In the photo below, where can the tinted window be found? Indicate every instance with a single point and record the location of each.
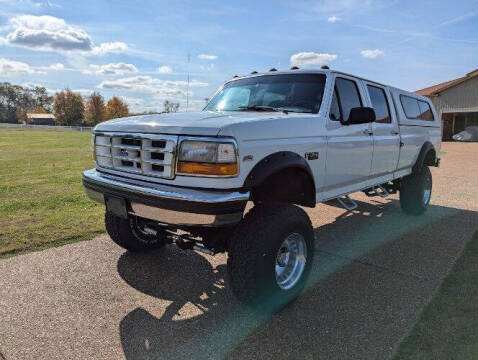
(334, 108)
(296, 93)
(410, 106)
(425, 111)
(379, 104)
(348, 96)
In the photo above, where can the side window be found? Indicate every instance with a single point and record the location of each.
(348, 96)
(425, 111)
(380, 104)
(410, 106)
(334, 108)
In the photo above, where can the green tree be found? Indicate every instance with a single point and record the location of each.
(16, 101)
(95, 109)
(116, 108)
(68, 108)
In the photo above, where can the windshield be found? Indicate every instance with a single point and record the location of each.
(290, 92)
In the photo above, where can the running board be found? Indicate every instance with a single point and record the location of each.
(347, 203)
(378, 190)
(382, 193)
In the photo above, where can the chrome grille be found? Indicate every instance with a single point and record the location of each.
(144, 154)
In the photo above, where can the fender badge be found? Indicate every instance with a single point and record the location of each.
(312, 155)
(247, 158)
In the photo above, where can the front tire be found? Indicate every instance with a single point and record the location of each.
(130, 235)
(415, 192)
(270, 255)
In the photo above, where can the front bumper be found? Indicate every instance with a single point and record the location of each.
(168, 204)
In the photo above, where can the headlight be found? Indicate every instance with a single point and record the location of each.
(207, 158)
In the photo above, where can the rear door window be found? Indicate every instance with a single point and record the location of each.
(425, 111)
(379, 104)
(348, 96)
(410, 107)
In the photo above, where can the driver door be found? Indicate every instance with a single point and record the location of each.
(349, 147)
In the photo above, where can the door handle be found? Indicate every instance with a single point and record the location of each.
(394, 132)
(367, 132)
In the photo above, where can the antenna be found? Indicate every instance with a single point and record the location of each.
(187, 89)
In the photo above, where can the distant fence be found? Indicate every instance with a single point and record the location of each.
(45, 127)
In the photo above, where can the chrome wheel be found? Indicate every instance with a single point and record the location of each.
(290, 261)
(427, 190)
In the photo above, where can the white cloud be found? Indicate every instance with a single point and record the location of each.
(333, 19)
(148, 84)
(207, 67)
(109, 47)
(10, 67)
(56, 66)
(372, 54)
(312, 58)
(132, 101)
(82, 92)
(49, 33)
(165, 70)
(111, 69)
(31, 85)
(207, 57)
(341, 6)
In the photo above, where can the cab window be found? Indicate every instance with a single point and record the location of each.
(410, 107)
(334, 108)
(425, 111)
(346, 96)
(379, 104)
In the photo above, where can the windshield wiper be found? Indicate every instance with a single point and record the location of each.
(261, 108)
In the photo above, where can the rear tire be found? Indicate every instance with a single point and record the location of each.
(272, 240)
(415, 192)
(128, 234)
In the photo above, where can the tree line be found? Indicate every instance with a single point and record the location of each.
(68, 107)
(16, 101)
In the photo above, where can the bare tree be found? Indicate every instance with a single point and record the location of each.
(170, 106)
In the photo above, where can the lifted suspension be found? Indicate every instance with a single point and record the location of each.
(183, 241)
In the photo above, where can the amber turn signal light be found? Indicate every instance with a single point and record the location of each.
(195, 168)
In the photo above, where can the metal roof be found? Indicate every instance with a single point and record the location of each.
(435, 89)
(40, 116)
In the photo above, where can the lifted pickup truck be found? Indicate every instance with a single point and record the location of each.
(278, 140)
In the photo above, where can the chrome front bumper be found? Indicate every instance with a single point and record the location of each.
(168, 204)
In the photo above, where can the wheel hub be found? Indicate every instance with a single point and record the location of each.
(427, 191)
(290, 261)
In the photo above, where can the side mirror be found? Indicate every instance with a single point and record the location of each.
(361, 115)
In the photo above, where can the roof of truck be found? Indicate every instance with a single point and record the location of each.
(322, 71)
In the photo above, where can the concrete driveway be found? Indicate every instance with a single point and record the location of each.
(375, 270)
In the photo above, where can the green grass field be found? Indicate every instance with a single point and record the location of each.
(42, 201)
(448, 326)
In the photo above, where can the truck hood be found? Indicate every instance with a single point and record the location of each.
(201, 123)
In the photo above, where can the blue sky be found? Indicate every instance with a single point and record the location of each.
(138, 49)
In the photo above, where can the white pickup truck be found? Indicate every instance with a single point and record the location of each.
(278, 140)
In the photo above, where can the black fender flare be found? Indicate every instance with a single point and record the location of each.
(275, 163)
(424, 151)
